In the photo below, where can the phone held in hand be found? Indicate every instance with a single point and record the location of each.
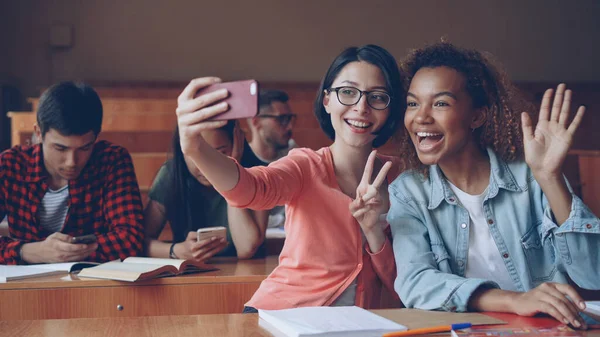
(86, 239)
(209, 232)
(242, 99)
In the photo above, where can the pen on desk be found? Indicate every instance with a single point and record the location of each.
(423, 331)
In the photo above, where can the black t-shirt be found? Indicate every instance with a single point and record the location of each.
(209, 208)
(249, 159)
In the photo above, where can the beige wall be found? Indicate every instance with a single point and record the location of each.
(137, 40)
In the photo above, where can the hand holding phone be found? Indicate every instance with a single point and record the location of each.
(85, 239)
(209, 232)
(242, 99)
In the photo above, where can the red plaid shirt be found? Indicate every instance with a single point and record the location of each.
(104, 200)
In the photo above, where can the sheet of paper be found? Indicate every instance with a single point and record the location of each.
(56, 266)
(592, 307)
(319, 320)
(19, 272)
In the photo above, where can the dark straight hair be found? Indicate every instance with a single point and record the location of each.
(70, 108)
(380, 58)
(177, 203)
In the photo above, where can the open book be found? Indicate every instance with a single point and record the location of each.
(14, 273)
(325, 321)
(142, 268)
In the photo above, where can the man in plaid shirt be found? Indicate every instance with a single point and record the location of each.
(68, 186)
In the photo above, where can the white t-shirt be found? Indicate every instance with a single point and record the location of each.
(484, 260)
(54, 208)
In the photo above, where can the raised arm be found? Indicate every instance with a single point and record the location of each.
(574, 228)
(192, 115)
(547, 146)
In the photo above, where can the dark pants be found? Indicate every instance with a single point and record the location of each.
(249, 310)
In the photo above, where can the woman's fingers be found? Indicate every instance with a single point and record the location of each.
(356, 204)
(527, 125)
(555, 294)
(368, 172)
(360, 212)
(572, 293)
(203, 114)
(566, 107)
(202, 101)
(568, 312)
(576, 120)
(558, 102)
(545, 107)
(196, 84)
(210, 250)
(382, 175)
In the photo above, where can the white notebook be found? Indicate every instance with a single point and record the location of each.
(325, 321)
(13, 273)
(592, 307)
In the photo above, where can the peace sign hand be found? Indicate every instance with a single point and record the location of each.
(546, 148)
(371, 199)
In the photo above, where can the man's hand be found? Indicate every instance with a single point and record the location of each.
(55, 249)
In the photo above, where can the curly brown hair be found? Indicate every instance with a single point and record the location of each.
(487, 84)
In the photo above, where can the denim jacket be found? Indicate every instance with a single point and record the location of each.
(431, 237)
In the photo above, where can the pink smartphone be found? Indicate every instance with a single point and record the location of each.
(209, 232)
(242, 99)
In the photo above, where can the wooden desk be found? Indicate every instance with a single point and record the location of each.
(216, 292)
(234, 325)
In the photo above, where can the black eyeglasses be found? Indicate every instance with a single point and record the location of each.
(376, 99)
(283, 120)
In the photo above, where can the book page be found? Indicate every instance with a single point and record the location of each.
(8, 273)
(321, 320)
(129, 267)
(155, 261)
(66, 266)
(55, 266)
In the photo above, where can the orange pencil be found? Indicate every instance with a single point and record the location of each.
(423, 331)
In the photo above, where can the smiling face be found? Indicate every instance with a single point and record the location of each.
(440, 115)
(354, 125)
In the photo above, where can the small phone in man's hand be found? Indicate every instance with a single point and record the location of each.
(242, 99)
(209, 232)
(86, 239)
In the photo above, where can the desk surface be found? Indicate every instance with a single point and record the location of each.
(223, 291)
(197, 325)
(229, 271)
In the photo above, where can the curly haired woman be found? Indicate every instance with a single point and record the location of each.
(484, 219)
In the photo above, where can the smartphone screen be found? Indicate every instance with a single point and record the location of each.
(242, 99)
(90, 238)
(209, 232)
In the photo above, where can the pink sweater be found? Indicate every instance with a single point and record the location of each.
(323, 252)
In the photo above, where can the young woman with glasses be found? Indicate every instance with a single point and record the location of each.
(483, 219)
(338, 250)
